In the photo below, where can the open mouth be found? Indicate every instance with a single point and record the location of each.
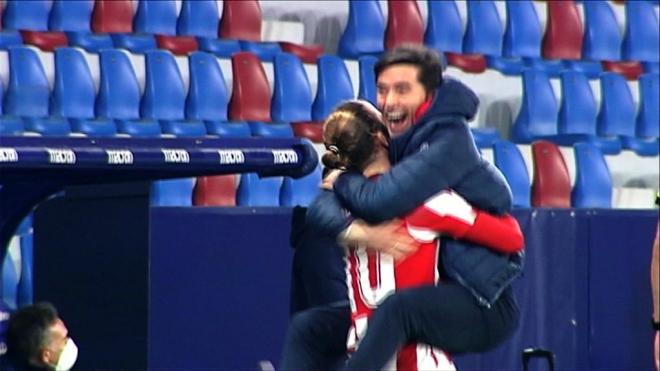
(396, 120)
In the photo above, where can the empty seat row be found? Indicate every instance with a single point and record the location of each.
(551, 183)
(615, 125)
(485, 42)
(197, 26)
(114, 103)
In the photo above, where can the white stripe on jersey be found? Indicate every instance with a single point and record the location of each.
(433, 359)
(451, 203)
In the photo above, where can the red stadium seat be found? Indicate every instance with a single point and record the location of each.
(241, 20)
(250, 99)
(630, 70)
(112, 16)
(563, 33)
(473, 63)
(45, 40)
(312, 130)
(218, 190)
(178, 45)
(404, 23)
(307, 53)
(551, 186)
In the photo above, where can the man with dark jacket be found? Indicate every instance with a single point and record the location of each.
(472, 309)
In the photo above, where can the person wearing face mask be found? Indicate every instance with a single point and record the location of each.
(37, 339)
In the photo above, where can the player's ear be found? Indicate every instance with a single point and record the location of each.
(382, 140)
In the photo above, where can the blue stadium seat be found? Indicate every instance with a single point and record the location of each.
(334, 86)
(208, 96)
(648, 115)
(25, 286)
(91, 42)
(255, 191)
(74, 94)
(367, 89)
(135, 43)
(444, 31)
(235, 129)
(26, 15)
(48, 126)
(71, 15)
(199, 18)
(364, 32)
(484, 33)
(10, 277)
(119, 95)
(485, 137)
(28, 92)
(539, 111)
(9, 125)
(302, 191)
(10, 38)
(164, 95)
(602, 38)
(593, 183)
(265, 51)
(172, 192)
(512, 165)
(270, 130)
(523, 34)
(642, 38)
(578, 111)
(292, 93)
(155, 17)
(617, 109)
(223, 48)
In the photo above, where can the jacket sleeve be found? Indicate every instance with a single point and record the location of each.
(450, 156)
(326, 215)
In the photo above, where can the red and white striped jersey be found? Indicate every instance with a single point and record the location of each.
(372, 276)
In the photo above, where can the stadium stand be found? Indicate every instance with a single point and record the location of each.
(334, 86)
(404, 24)
(511, 163)
(367, 89)
(250, 99)
(364, 32)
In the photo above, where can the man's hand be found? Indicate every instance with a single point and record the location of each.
(330, 179)
(389, 237)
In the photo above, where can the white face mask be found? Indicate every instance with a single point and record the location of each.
(68, 356)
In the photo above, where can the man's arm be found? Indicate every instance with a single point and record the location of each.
(327, 215)
(449, 158)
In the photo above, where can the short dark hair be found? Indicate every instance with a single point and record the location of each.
(27, 331)
(428, 61)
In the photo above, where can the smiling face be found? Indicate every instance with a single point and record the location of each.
(399, 96)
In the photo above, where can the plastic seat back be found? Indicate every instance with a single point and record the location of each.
(74, 93)
(563, 31)
(172, 192)
(199, 18)
(444, 29)
(250, 99)
(523, 34)
(367, 89)
(112, 16)
(241, 20)
(365, 30)
(593, 183)
(164, 96)
(302, 191)
(218, 190)
(484, 33)
(602, 38)
(255, 191)
(28, 91)
(26, 15)
(512, 164)
(551, 186)
(617, 109)
(578, 111)
(648, 116)
(292, 94)
(119, 92)
(157, 17)
(208, 96)
(539, 110)
(334, 86)
(71, 15)
(404, 24)
(642, 36)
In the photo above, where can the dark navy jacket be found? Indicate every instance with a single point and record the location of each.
(437, 153)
